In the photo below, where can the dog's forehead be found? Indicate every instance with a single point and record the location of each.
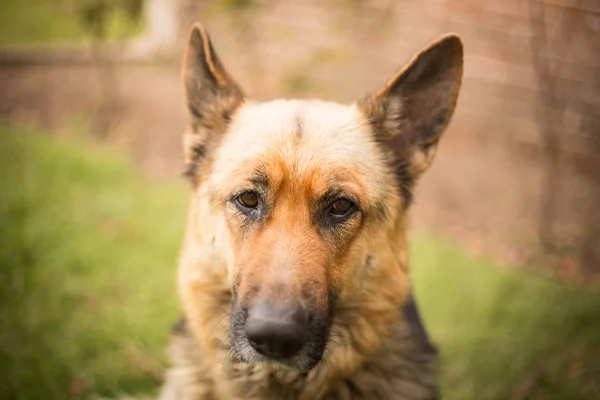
(300, 123)
(310, 137)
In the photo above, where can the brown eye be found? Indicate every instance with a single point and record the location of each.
(248, 199)
(341, 207)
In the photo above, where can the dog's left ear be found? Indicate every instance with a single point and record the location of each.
(212, 98)
(410, 113)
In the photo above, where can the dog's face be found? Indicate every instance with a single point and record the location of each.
(303, 192)
(297, 184)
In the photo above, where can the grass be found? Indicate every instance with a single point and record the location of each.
(87, 256)
(501, 330)
(49, 21)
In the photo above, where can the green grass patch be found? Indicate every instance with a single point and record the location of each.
(502, 331)
(48, 21)
(87, 290)
(88, 251)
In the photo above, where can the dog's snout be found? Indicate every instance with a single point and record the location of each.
(277, 330)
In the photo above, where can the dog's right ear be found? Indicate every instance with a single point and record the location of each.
(212, 98)
(410, 113)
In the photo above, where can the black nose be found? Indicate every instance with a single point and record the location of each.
(276, 330)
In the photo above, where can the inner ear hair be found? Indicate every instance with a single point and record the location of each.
(212, 97)
(410, 113)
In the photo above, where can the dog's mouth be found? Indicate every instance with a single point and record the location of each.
(278, 334)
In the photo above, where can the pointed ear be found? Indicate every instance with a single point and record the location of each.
(212, 98)
(410, 113)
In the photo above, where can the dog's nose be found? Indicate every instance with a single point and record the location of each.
(276, 330)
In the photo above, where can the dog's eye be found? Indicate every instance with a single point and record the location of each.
(341, 207)
(248, 200)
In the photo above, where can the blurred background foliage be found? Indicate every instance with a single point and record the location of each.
(42, 21)
(505, 248)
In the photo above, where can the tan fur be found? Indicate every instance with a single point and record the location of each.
(377, 348)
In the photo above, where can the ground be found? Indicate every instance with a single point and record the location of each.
(88, 253)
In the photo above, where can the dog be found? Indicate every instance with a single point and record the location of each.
(293, 274)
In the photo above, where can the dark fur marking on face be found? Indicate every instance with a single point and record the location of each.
(380, 211)
(334, 193)
(368, 261)
(298, 128)
(260, 179)
(307, 291)
(194, 110)
(191, 168)
(406, 183)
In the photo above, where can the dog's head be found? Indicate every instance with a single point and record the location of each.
(298, 204)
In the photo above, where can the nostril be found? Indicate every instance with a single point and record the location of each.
(276, 331)
(276, 341)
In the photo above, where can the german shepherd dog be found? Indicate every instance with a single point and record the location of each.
(293, 274)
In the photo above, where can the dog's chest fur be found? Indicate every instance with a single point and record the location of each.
(404, 369)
